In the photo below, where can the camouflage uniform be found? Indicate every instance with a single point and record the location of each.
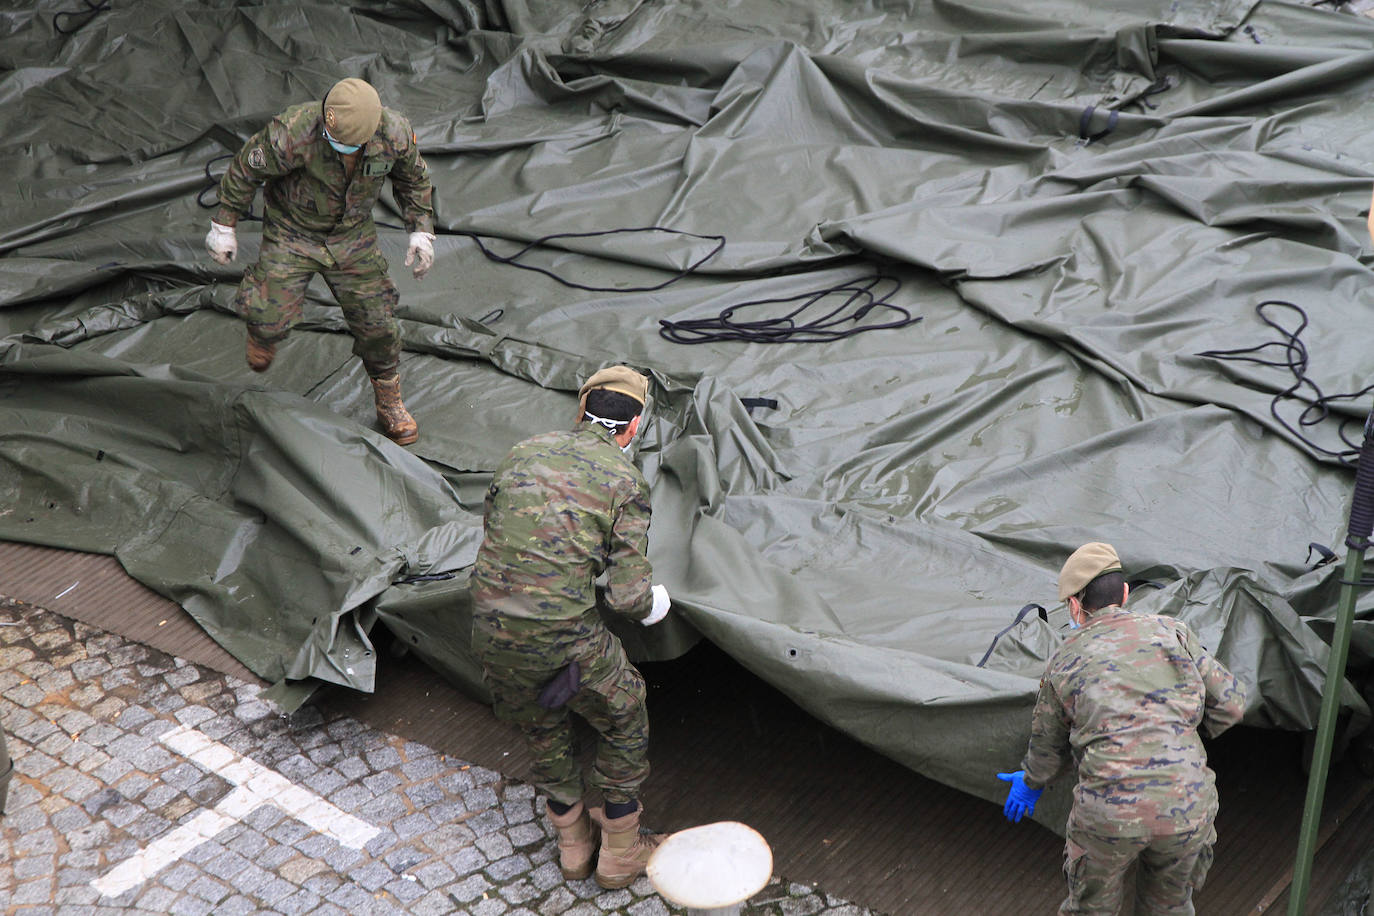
(319, 220)
(1126, 694)
(563, 508)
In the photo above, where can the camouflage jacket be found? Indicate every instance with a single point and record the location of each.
(308, 190)
(562, 508)
(1126, 694)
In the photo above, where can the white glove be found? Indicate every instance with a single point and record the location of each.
(221, 243)
(421, 252)
(661, 605)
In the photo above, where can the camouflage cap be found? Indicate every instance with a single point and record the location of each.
(352, 111)
(1086, 564)
(613, 378)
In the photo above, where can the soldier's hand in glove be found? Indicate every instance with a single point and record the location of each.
(661, 605)
(1021, 798)
(421, 253)
(221, 242)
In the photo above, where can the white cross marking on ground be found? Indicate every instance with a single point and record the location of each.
(255, 786)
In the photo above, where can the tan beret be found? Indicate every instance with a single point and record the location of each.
(352, 111)
(613, 378)
(1086, 564)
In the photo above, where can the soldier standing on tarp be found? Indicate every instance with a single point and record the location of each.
(563, 508)
(323, 164)
(1125, 696)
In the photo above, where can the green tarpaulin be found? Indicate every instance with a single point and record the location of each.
(1087, 205)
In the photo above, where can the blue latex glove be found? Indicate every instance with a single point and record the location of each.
(1021, 798)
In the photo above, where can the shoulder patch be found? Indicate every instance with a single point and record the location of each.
(257, 158)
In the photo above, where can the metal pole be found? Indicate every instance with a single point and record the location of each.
(1321, 752)
(1357, 540)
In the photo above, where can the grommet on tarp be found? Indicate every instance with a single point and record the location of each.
(1086, 120)
(712, 869)
(1020, 616)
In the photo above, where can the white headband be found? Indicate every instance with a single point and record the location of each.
(612, 425)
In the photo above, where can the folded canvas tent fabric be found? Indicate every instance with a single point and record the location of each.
(1077, 200)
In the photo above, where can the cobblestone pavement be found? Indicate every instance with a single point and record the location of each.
(148, 784)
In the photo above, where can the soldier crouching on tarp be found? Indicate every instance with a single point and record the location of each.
(562, 508)
(323, 165)
(1125, 695)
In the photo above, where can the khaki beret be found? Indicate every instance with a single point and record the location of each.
(1086, 564)
(613, 378)
(352, 111)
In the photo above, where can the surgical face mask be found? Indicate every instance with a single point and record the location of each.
(341, 147)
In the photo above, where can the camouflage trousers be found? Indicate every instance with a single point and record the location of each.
(611, 699)
(1169, 869)
(272, 291)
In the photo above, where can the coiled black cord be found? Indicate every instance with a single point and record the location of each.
(838, 323)
(90, 12)
(212, 185)
(513, 259)
(1295, 360)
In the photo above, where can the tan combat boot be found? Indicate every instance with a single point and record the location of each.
(400, 427)
(576, 841)
(624, 850)
(259, 354)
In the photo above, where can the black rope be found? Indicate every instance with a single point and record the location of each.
(212, 186)
(513, 259)
(836, 324)
(1295, 360)
(90, 12)
(770, 330)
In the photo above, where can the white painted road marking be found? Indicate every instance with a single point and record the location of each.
(255, 786)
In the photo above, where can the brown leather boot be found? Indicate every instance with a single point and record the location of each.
(576, 841)
(400, 427)
(259, 354)
(624, 850)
